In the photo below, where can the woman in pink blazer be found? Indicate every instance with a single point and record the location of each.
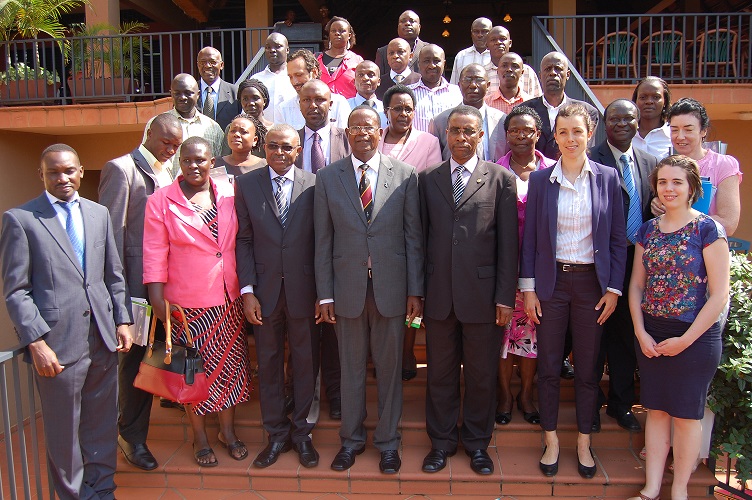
(189, 259)
(338, 62)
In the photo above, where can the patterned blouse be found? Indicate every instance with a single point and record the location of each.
(677, 280)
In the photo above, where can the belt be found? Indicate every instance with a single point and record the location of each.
(575, 268)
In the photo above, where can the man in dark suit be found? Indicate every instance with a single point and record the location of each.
(218, 99)
(321, 141)
(369, 274)
(65, 293)
(617, 343)
(124, 184)
(398, 56)
(408, 29)
(554, 73)
(275, 267)
(469, 214)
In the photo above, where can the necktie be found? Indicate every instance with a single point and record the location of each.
(76, 239)
(398, 78)
(370, 103)
(282, 206)
(458, 187)
(366, 196)
(634, 218)
(317, 154)
(209, 103)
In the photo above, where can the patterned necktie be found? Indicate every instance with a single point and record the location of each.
(370, 103)
(282, 205)
(398, 78)
(209, 103)
(366, 196)
(458, 187)
(76, 239)
(634, 218)
(317, 154)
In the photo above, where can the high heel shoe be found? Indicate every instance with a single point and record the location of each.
(532, 417)
(549, 470)
(585, 471)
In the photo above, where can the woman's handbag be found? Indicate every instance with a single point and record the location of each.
(180, 375)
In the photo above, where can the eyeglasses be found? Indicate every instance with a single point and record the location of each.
(361, 130)
(473, 79)
(468, 132)
(271, 146)
(402, 109)
(522, 132)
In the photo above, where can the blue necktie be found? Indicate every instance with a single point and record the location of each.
(282, 205)
(634, 217)
(76, 239)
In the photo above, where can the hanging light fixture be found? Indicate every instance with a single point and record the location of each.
(507, 18)
(445, 33)
(447, 19)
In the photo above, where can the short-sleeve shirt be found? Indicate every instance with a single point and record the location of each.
(718, 167)
(677, 280)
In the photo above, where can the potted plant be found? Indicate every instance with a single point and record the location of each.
(23, 83)
(107, 62)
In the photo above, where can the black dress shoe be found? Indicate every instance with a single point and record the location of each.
(335, 409)
(166, 403)
(531, 417)
(480, 462)
(345, 458)
(271, 453)
(567, 371)
(436, 460)
(596, 423)
(549, 470)
(390, 462)
(627, 421)
(409, 374)
(307, 454)
(503, 418)
(138, 455)
(586, 472)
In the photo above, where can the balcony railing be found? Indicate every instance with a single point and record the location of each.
(686, 48)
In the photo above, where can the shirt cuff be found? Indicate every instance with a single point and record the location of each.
(526, 284)
(614, 290)
(325, 301)
(246, 289)
(503, 305)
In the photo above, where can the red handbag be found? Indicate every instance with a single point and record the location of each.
(179, 376)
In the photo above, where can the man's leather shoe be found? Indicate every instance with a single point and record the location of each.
(138, 455)
(567, 370)
(271, 453)
(390, 462)
(436, 460)
(627, 421)
(480, 462)
(345, 458)
(596, 422)
(307, 454)
(335, 409)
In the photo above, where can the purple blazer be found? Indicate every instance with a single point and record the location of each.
(538, 256)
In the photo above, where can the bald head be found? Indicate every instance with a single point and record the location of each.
(367, 78)
(498, 43)
(315, 101)
(408, 26)
(276, 49)
(184, 93)
(554, 73)
(431, 65)
(479, 31)
(398, 54)
(210, 64)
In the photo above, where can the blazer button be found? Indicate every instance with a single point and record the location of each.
(219, 255)
(456, 217)
(86, 313)
(455, 242)
(364, 263)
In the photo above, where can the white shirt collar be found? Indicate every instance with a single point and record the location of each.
(150, 158)
(557, 175)
(214, 86)
(290, 175)
(323, 131)
(405, 73)
(617, 153)
(373, 163)
(53, 200)
(469, 165)
(549, 106)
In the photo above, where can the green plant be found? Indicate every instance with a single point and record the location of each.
(21, 71)
(730, 395)
(105, 50)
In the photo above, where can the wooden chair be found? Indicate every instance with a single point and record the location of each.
(717, 53)
(616, 51)
(664, 50)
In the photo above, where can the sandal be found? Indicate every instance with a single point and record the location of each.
(233, 447)
(204, 452)
(643, 454)
(645, 497)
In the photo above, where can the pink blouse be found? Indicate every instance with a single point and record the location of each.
(718, 167)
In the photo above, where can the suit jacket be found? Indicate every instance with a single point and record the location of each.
(181, 252)
(471, 250)
(47, 294)
(387, 83)
(381, 59)
(266, 252)
(124, 185)
(538, 259)
(546, 144)
(338, 146)
(645, 164)
(344, 240)
(421, 150)
(497, 143)
(228, 104)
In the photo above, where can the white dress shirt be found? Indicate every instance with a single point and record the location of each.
(466, 173)
(467, 56)
(632, 165)
(289, 112)
(325, 134)
(62, 214)
(430, 102)
(657, 142)
(552, 111)
(279, 87)
(405, 74)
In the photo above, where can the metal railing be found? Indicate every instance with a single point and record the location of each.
(683, 48)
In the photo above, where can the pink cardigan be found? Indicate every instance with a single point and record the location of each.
(342, 82)
(180, 251)
(421, 150)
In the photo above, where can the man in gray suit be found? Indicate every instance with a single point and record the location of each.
(65, 293)
(275, 267)
(321, 141)
(473, 84)
(469, 215)
(617, 343)
(218, 99)
(369, 274)
(124, 184)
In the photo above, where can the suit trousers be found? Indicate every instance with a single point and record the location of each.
(303, 342)
(617, 345)
(572, 306)
(79, 412)
(384, 336)
(473, 349)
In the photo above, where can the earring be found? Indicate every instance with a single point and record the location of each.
(348, 45)
(330, 45)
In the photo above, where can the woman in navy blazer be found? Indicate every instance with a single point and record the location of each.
(572, 264)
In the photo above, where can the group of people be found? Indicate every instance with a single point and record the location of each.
(332, 202)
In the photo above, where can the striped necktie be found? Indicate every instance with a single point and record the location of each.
(317, 154)
(208, 108)
(458, 187)
(634, 217)
(282, 206)
(366, 195)
(76, 239)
